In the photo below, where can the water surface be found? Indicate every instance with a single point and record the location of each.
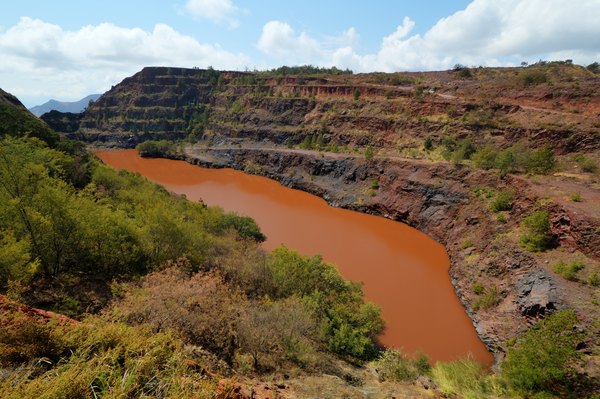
(404, 271)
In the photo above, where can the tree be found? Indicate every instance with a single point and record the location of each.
(356, 94)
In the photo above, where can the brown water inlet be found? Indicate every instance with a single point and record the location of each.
(403, 270)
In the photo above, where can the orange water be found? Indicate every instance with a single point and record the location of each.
(403, 270)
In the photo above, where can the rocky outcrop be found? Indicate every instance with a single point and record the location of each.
(537, 294)
(378, 110)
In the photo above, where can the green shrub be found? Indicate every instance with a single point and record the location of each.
(541, 160)
(428, 144)
(567, 271)
(369, 153)
(485, 158)
(503, 202)
(501, 218)
(393, 365)
(155, 149)
(350, 324)
(532, 78)
(593, 279)
(467, 243)
(543, 359)
(586, 164)
(576, 197)
(356, 94)
(538, 235)
(464, 150)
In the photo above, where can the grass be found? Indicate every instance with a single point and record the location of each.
(464, 378)
(97, 358)
(487, 299)
(576, 197)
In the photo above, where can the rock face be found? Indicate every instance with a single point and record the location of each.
(388, 111)
(537, 294)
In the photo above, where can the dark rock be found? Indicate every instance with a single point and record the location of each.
(537, 295)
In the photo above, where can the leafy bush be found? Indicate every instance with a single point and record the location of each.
(428, 144)
(485, 158)
(543, 359)
(369, 153)
(156, 149)
(588, 165)
(567, 271)
(245, 226)
(351, 325)
(502, 202)
(541, 160)
(532, 78)
(393, 365)
(538, 234)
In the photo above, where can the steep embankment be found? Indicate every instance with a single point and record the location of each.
(270, 124)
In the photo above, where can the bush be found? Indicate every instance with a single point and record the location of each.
(485, 158)
(541, 160)
(369, 153)
(503, 202)
(245, 226)
(464, 150)
(272, 332)
(428, 144)
(567, 271)
(588, 165)
(393, 365)
(532, 78)
(576, 197)
(157, 149)
(351, 325)
(201, 308)
(538, 235)
(544, 357)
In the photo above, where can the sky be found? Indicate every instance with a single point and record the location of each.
(66, 50)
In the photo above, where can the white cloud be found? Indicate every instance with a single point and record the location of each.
(41, 59)
(486, 32)
(218, 11)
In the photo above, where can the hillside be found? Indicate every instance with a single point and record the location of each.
(486, 161)
(444, 147)
(64, 106)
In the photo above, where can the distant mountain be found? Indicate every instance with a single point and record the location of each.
(63, 106)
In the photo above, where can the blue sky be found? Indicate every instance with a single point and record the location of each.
(68, 49)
